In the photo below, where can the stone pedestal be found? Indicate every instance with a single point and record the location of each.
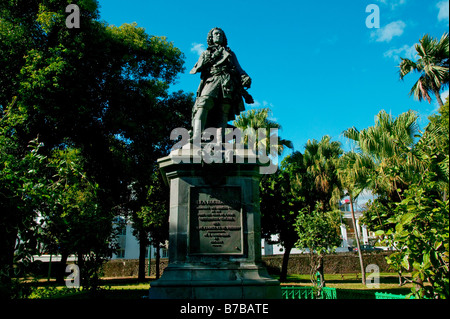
(214, 233)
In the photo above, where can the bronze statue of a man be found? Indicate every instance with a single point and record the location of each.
(222, 87)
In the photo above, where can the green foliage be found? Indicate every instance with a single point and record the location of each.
(320, 160)
(256, 119)
(281, 200)
(419, 223)
(52, 292)
(97, 99)
(432, 65)
(21, 189)
(318, 231)
(73, 219)
(409, 174)
(421, 238)
(303, 184)
(153, 218)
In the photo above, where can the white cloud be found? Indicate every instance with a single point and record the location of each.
(444, 95)
(392, 3)
(385, 34)
(443, 10)
(267, 104)
(197, 48)
(264, 104)
(257, 104)
(406, 51)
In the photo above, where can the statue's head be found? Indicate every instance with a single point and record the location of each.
(217, 37)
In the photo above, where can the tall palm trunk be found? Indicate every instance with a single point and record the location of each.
(361, 263)
(438, 96)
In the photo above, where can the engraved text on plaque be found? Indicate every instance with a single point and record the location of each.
(215, 221)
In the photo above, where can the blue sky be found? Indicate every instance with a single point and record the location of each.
(314, 63)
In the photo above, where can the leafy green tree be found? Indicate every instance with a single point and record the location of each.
(410, 179)
(151, 141)
(421, 219)
(282, 198)
(420, 237)
(302, 182)
(432, 65)
(436, 136)
(73, 220)
(22, 186)
(87, 87)
(99, 89)
(382, 162)
(322, 184)
(319, 232)
(153, 220)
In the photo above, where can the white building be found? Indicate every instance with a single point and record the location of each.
(129, 245)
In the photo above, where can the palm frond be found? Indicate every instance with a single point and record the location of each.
(420, 90)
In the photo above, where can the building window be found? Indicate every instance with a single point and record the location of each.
(120, 253)
(122, 230)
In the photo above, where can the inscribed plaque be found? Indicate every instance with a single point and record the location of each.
(215, 221)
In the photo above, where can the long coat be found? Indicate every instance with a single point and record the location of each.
(221, 77)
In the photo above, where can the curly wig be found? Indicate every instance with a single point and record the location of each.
(209, 40)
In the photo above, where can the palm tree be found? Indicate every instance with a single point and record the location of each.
(432, 65)
(383, 161)
(388, 145)
(320, 161)
(320, 178)
(259, 119)
(353, 170)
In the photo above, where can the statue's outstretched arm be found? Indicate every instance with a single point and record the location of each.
(200, 64)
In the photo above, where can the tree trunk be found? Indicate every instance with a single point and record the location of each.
(83, 272)
(320, 271)
(61, 270)
(363, 270)
(149, 271)
(142, 249)
(438, 96)
(157, 259)
(284, 267)
(8, 238)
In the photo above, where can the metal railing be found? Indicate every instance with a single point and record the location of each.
(297, 292)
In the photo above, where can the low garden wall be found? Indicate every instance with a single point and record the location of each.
(341, 263)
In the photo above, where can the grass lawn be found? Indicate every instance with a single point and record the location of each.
(130, 288)
(389, 282)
